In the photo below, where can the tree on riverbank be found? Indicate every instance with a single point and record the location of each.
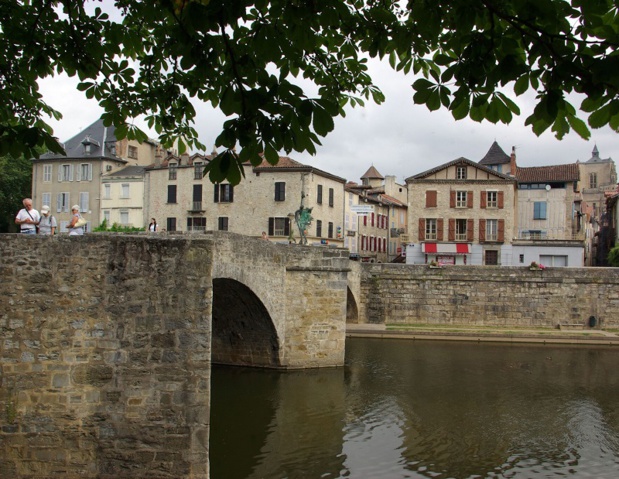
(282, 70)
(15, 185)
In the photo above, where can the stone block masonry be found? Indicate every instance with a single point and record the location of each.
(489, 296)
(100, 375)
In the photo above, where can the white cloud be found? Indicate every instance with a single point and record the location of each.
(399, 138)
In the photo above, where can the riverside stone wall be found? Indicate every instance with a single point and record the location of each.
(489, 295)
(104, 356)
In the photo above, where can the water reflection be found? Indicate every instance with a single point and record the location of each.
(404, 409)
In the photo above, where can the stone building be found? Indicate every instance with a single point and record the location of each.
(376, 237)
(61, 181)
(265, 200)
(122, 197)
(461, 212)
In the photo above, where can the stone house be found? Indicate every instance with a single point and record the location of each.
(122, 197)
(61, 181)
(377, 231)
(265, 200)
(598, 176)
(461, 212)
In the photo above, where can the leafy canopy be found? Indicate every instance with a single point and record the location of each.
(255, 59)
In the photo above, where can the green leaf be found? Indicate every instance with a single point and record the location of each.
(322, 121)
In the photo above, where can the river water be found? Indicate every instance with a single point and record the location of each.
(423, 409)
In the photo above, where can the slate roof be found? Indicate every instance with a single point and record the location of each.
(288, 164)
(127, 171)
(102, 141)
(495, 156)
(548, 174)
(595, 158)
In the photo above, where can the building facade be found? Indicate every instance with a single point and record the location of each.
(461, 213)
(62, 181)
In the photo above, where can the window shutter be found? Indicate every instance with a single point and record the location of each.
(231, 193)
(439, 229)
(431, 199)
(84, 202)
(470, 225)
(451, 230)
(482, 199)
(70, 172)
(216, 197)
(422, 229)
(287, 226)
(469, 199)
(59, 173)
(501, 235)
(482, 231)
(78, 173)
(501, 199)
(452, 199)
(365, 220)
(59, 203)
(271, 226)
(89, 172)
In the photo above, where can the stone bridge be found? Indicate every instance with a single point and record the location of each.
(107, 342)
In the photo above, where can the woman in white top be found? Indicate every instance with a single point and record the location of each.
(74, 231)
(153, 226)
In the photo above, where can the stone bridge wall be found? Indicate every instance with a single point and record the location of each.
(489, 295)
(104, 356)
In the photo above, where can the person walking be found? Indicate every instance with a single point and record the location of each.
(73, 229)
(28, 218)
(47, 224)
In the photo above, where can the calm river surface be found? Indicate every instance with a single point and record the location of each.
(423, 409)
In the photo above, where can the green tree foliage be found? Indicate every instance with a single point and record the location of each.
(15, 185)
(257, 60)
(613, 257)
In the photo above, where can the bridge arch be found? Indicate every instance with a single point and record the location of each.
(243, 332)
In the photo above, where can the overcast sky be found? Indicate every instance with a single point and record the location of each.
(398, 137)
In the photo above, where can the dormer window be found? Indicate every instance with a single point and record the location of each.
(172, 171)
(461, 173)
(198, 170)
(88, 144)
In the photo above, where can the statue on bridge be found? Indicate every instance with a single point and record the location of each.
(303, 218)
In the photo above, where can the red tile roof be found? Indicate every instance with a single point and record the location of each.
(547, 174)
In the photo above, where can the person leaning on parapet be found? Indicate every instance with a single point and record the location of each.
(153, 226)
(73, 230)
(28, 218)
(265, 236)
(48, 224)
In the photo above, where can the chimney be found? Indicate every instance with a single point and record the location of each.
(158, 155)
(512, 162)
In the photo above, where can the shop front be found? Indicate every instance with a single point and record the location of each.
(446, 253)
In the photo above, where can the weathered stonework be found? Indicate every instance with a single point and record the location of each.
(106, 343)
(489, 295)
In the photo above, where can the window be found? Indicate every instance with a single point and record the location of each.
(460, 199)
(84, 172)
(47, 174)
(553, 260)
(492, 257)
(431, 229)
(319, 195)
(197, 198)
(198, 171)
(171, 224)
(124, 217)
(106, 217)
(224, 193)
(279, 226)
(492, 199)
(172, 171)
(124, 190)
(461, 172)
(318, 228)
(593, 180)
(431, 199)
(65, 173)
(107, 191)
(461, 230)
(62, 203)
(47, 199)
(196, 224)
(331, 195)
(84, 202)
(222, 223)
(539, 210)
(171, 195)
(330, 230)
(280, 191)
(133, 152)
(492, 230)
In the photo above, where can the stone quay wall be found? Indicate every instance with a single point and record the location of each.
(100, 375)
(489, 296)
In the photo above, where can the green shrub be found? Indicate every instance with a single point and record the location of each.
(613, 256)
(116, 228)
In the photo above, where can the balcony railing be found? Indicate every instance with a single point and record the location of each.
(196, 206)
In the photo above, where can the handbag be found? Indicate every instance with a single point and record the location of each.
(81, 221)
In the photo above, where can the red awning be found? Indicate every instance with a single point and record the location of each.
(446, 248)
